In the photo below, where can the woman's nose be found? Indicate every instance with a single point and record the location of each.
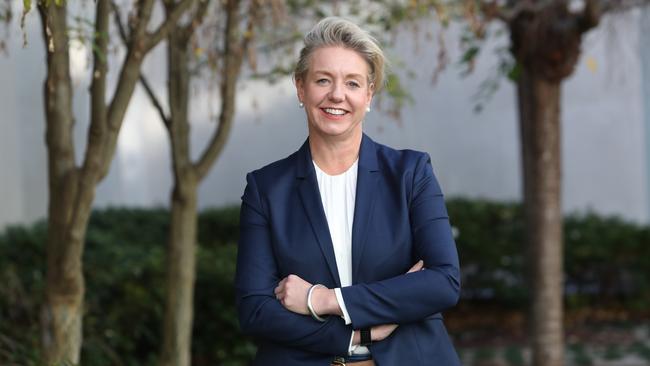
(336, 93)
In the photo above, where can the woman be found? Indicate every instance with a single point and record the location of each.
(346, 255)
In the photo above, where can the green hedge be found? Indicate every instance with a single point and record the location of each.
(606, 258)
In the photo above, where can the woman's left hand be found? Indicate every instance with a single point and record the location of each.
(292, 294)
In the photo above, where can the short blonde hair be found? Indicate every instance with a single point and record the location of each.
(335, 31)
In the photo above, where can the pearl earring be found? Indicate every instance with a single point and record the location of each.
(368, 109)
(301, 105)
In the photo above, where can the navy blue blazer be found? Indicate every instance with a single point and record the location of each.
(399, 218)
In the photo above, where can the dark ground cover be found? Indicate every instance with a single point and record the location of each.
(607, 285)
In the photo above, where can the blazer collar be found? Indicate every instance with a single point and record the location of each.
(366, 193)
(367, 157)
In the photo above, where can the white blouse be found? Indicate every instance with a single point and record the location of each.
(337, 193)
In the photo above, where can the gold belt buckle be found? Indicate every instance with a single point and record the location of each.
(338, 361)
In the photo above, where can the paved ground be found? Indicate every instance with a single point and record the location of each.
(627, 345)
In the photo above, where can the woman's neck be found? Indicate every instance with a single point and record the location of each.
(335, 156)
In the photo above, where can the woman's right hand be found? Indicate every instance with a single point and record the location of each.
(417, 266)
(381, 332)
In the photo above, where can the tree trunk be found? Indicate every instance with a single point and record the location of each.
(62, 309)
(72, 187)
(181, 269)
(539, 118)
(181, 262)
(546, 44)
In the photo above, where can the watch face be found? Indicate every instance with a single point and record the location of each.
(366, 339)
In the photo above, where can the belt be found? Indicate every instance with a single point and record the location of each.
(342, 361)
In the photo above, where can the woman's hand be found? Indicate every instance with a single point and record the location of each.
(417, 266)
(292, 294)
(377, 333)
(381, 332)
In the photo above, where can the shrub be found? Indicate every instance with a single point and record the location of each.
(124, 264)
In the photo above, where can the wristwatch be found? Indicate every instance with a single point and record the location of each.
(366, 338)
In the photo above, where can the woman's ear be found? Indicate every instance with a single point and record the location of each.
(300, 91)
(371, 92)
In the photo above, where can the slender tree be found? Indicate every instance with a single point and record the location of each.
(72, 186)
(546, 45)
(234, 38)
(546, 36)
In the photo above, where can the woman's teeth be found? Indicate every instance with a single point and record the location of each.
(337, 112)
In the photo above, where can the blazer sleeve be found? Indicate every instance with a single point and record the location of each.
(414, 296)
(260, 314)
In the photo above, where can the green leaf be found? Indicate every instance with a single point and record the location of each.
(470, 54)
(27, 6)
(515, 72)
(99, 52)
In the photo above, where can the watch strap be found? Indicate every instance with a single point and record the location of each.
(366, 338)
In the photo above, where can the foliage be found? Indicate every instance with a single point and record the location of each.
(489, 237)
(580, 356)
(616, 266)
(22, 258)
(514, 356)
(606, 259)
(124, 271)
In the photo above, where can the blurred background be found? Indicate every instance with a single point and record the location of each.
(452, 93)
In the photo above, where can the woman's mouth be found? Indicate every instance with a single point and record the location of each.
(334, 111)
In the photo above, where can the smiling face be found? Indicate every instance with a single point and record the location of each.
(335, 92)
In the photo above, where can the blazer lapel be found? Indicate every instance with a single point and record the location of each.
(310, 197)
(367, 183)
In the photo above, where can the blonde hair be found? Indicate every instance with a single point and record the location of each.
(335, 31)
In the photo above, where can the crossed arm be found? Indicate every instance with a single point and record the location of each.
(292, 294)
(275, 308)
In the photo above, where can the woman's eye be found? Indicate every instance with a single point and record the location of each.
(353, 84)
(322, 81)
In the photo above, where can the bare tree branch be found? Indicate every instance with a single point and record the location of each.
(621, 5)
(591, 15)
(155, 101)
(509, 12)
(143, 80)
(99, 115)
(118, 21)
(94, 158)
(172, 18)
(140, 43)
(593, 9)
(250, 28)
(198, 18)
(234, 53)
(143, 15)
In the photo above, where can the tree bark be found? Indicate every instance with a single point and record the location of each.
(546, 42)
(181, 269)
(181, 252)
(62, 310)
(181, 262)
(72, 187)
(539, 118)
